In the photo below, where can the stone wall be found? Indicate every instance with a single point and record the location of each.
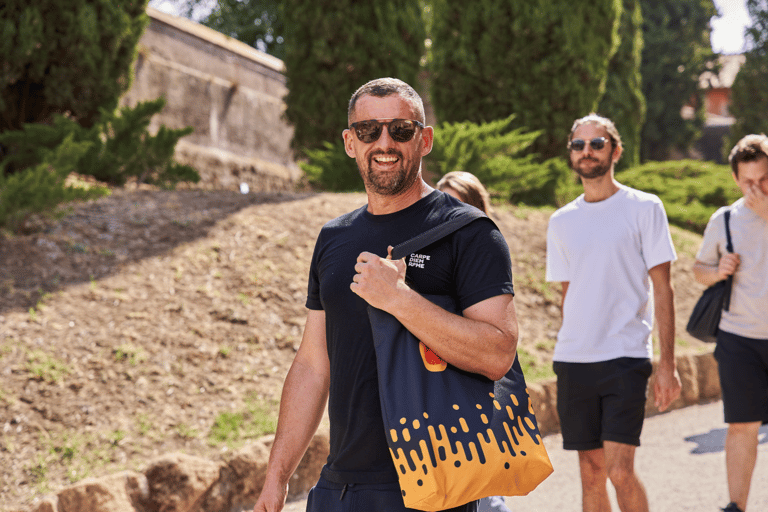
(229, 92)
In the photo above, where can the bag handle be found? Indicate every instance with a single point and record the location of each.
(729, 248)
(436, 233)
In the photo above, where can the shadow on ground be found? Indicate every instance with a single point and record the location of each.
(96, 238)
(714, 440)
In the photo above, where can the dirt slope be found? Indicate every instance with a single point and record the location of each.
(137, 324)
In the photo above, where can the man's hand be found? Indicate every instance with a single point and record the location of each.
(728, 265)
(378, 279)
(271, 499)
(757, 201)
(666, 387)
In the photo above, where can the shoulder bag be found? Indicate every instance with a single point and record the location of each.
(705, 317)
(454, 436)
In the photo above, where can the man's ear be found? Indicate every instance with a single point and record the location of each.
(348, 146)
(617, 151)
(427, 138)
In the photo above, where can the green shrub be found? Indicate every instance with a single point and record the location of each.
(41, 187)
(493, 152)
(330, 168)
(120, 147)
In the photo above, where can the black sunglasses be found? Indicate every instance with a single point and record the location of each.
(579, 144)
(400, 130)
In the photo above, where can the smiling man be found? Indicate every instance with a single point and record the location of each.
(606, 248)
(742, 339)
(336, 361)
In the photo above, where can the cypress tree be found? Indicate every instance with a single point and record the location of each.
(675, 54)
(623, 101)
(749, 96)
(545, 61)
(332, 48)
(70, 57)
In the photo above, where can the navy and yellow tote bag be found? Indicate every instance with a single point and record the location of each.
(454, 436)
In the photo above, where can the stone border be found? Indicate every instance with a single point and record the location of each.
(181, 483)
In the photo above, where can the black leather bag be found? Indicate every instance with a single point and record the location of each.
(705, 317)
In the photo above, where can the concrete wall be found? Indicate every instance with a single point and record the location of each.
(231, 93)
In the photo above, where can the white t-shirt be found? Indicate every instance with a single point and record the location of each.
(604, 251)
(748, 312)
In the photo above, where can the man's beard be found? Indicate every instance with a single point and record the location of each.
(390, 183)
(601, 169)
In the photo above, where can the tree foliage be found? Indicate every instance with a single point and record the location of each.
(259, 23)
(749, 95)
(332, 48)
(623, 101)
(544, 61)
(676, 51)
(71, 57)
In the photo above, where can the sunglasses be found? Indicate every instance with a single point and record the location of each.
(400, 130)
(579, 144)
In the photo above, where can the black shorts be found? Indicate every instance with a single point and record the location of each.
(743, 367)
(603, 401)
(328, 496)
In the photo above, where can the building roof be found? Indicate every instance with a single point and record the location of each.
(217, 38)
(729, 67)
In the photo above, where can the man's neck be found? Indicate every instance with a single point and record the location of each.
(382, 205)
(600, 189)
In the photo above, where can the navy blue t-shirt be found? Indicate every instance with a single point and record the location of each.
(472, 264)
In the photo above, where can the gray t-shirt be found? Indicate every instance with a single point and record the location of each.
(748, 313)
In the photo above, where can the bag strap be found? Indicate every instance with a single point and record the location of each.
(729, 248)
(436, 233)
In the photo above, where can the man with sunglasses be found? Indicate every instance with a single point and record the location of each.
(606, 248)
(350, 269)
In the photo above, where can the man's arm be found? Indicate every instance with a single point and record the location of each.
(303, 400)
(667, 382)
(483, 340)
(709, 275)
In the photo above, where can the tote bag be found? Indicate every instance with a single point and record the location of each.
(454, 436)
(704, 322)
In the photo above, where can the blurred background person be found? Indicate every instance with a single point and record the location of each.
(465, 187)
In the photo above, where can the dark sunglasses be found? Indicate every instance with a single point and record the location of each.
(400, 130)
(579, 144)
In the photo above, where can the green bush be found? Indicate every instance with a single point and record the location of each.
(119, 146)
(330, 168)
(490, 151)
(494, 153)
(41, 187)
(690, 190)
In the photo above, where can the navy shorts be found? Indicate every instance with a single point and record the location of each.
(743, 367)
(328, 496)
(603, 401)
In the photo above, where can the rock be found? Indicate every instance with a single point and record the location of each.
(47, 505)
(179, 482)
(308, 472)
(544, 398)
(121, 492)
(686, 367)
(240, 481)
(709, 378)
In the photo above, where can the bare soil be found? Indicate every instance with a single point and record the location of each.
(131, 324)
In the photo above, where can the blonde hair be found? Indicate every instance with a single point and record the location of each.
(469, 188)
